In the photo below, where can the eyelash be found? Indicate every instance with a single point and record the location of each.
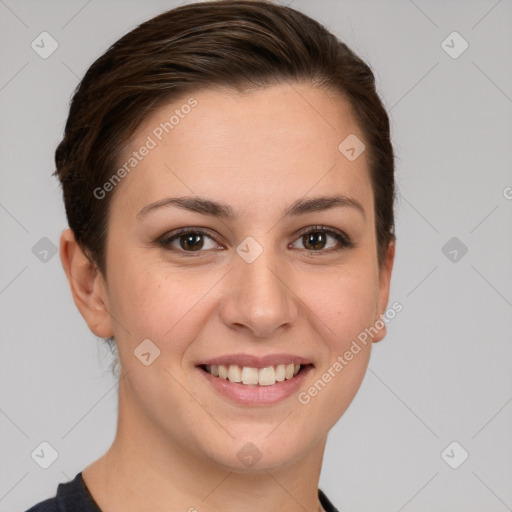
(342, 239)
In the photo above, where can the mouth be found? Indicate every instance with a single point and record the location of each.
(252, 380)
(256, 376)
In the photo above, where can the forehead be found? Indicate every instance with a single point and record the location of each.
(270, 144)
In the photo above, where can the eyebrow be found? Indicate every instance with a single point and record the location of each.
(224, 211)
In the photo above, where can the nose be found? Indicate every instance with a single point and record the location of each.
(259, 297)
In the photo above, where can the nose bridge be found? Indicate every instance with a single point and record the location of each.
(258, 295)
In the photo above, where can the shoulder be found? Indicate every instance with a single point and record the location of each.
(49, 505)
(72, 496)
(326, 504)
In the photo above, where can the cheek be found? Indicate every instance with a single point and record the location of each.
(343, 305)
(167, 307)
(344, 302)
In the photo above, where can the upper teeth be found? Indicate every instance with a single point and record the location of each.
(247, 375)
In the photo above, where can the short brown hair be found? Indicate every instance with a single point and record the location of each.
(239, 44)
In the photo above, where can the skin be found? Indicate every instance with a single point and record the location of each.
(177, 439)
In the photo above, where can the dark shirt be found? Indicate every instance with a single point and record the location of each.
(74, 496)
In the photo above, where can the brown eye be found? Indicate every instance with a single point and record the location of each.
(191, 241)
(317, 239)
(188, 240)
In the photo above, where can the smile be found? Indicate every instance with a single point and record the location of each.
(251, 376)
(253, 380)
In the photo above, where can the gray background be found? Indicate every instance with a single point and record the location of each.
(442, 374)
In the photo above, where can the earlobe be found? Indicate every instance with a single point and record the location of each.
(87, 285)
(384, 285)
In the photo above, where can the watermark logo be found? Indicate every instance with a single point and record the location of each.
(44, 455)
(454, 249)
(44, 45)
(249, 454)
(146, 352)
(44, 250)
(454, 455)
(351, 147)
(454, 45)
(249, 250)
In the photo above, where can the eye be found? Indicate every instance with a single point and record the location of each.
(188, 240)
(316, 239)
(194, 240)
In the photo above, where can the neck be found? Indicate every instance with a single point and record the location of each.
(145, 469)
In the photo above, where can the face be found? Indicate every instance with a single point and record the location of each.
(277, 266)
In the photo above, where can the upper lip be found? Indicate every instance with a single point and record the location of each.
(256, 361)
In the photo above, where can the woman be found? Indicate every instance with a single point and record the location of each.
(228, 180)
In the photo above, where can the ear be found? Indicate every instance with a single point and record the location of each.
(87, 285)
(384, 283)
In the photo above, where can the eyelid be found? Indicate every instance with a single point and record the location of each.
(342, 238)
(169, 237)
(324, 229)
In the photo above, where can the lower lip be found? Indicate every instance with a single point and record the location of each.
(257, 395)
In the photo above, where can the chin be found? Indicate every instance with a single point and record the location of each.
(259, 449)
